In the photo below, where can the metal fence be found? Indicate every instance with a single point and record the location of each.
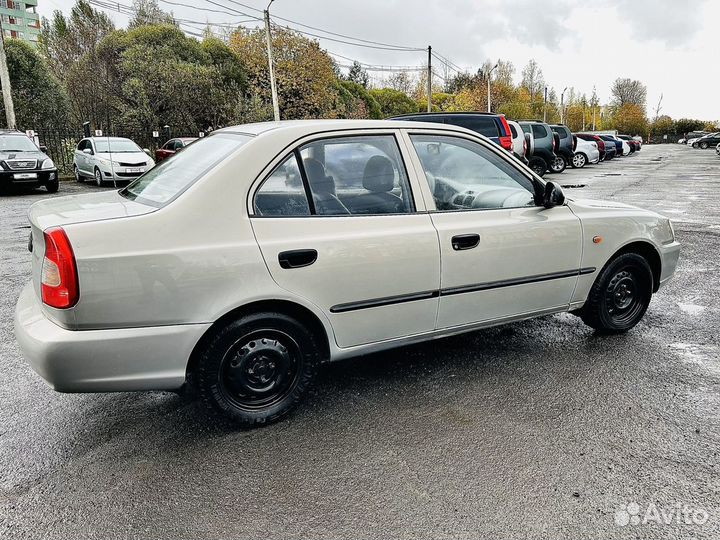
(61, 142)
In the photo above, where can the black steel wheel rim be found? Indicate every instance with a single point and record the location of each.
(624, 297)
(260, 369)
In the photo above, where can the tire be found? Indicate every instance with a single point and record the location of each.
(52, 187)
(238, 374)
(98, 177)
(694, 145)
(704, 145)
(558, 164)
(579, 160)
(78, 177)
(620, 295)
(538, 166)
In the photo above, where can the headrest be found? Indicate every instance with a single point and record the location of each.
(379, 174)
(319, 181)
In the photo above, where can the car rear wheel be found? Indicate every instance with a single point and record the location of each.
(98, 177)
(620, 296)
(579, 160)
(78, 177)
(704, 145)
(538, 166)
(558, 164)
(256, 369)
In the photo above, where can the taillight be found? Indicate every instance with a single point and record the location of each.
(553, 143)
(506, 142)
(525, 148)
(59, 281)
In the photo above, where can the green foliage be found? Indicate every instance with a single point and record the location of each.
(38, 97)
(358, 75)
(360, 93)
(393, 102)
(148, 12)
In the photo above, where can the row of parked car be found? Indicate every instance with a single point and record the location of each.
(702, 139)
(542, 147)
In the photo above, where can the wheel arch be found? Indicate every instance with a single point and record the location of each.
(649, 252)
(287, 307)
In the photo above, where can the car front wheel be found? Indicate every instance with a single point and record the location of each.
(558, 164)
(256, 369)
(78, 177)
(620, 296)
(579, 161)
(98, 177)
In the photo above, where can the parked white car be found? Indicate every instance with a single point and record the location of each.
(110, 159)
(585, 152)
(264, 249)
(518, 138)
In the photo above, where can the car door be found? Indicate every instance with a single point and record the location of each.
(80, 156)
(502, 255)
(338, 224)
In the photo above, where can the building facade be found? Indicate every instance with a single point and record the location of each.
(20, 20)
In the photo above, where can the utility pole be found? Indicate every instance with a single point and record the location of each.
(488, 86)
(562, 105)
(545, 106)
(429, 79)
(5, 82)
(273, 87)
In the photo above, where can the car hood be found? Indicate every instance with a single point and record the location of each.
(595, 204)
(22, 155)
(82, 208)
(125, 157)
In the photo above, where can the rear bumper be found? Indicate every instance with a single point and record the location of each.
(42, 177)
(124, 359)
(669, 255)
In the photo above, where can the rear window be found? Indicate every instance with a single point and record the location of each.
(561, 131)
(164, 182)
(485, 125)
(539, 131)
(513, 130)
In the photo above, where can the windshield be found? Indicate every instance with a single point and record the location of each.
(116, 145)
(171, 177)
(17, 143)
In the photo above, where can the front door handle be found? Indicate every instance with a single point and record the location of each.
(297, 258)
(465, 241)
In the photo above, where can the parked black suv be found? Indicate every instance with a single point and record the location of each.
(24, 164)
(542, 145)
(565, 148)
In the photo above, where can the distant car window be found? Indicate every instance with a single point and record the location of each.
(539, 131)
(485, 125)
(561, 131)
(17, 143)
(116, 145)
(357, 175)
(282, 193)
(178, 145)
(514, 131)
(169, 145)
(82, 145)
(459, 168)
(171, 177)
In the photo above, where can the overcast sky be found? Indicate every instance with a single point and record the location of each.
(670, 45)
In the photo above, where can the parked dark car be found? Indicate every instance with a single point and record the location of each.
(24, 164)
(607, 150)
(692, 135)
(542, 145)
(707, 141)
(635, 145)
(617, 142)
(493, 126)
(172, 146)
(565, 149)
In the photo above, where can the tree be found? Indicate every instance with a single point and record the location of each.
(663, 125)
(148, 12)
(533, 80)
(628, 92)
(631, 119)
(306, 80)
(39, 99)
(370, 108)
(358, 75)
(401, 81)
(686, 125)
(393, 102)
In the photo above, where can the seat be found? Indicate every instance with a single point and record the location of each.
(379, 180)
(322, 187)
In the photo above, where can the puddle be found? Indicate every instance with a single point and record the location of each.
(691, 309)
(703, 355)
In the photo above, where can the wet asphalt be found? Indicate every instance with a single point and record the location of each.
(539, 429)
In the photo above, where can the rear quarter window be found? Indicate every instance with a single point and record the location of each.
(539, 131)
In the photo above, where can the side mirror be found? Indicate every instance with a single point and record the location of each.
(147, 151)
(554, 195)
(87, 151)
(43, 148)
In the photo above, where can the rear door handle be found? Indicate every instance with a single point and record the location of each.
(297, 258)
(465, 241)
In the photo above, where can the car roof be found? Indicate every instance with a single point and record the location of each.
(307, 127)
(445, 113)
(110, 138)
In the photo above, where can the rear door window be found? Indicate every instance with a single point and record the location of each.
(539, 131)
(562, 132)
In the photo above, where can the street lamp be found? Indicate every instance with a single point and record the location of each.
(488, 84)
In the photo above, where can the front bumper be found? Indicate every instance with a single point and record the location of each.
(39, 177)
(669, 255)
(122, 359)
(120, 174)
